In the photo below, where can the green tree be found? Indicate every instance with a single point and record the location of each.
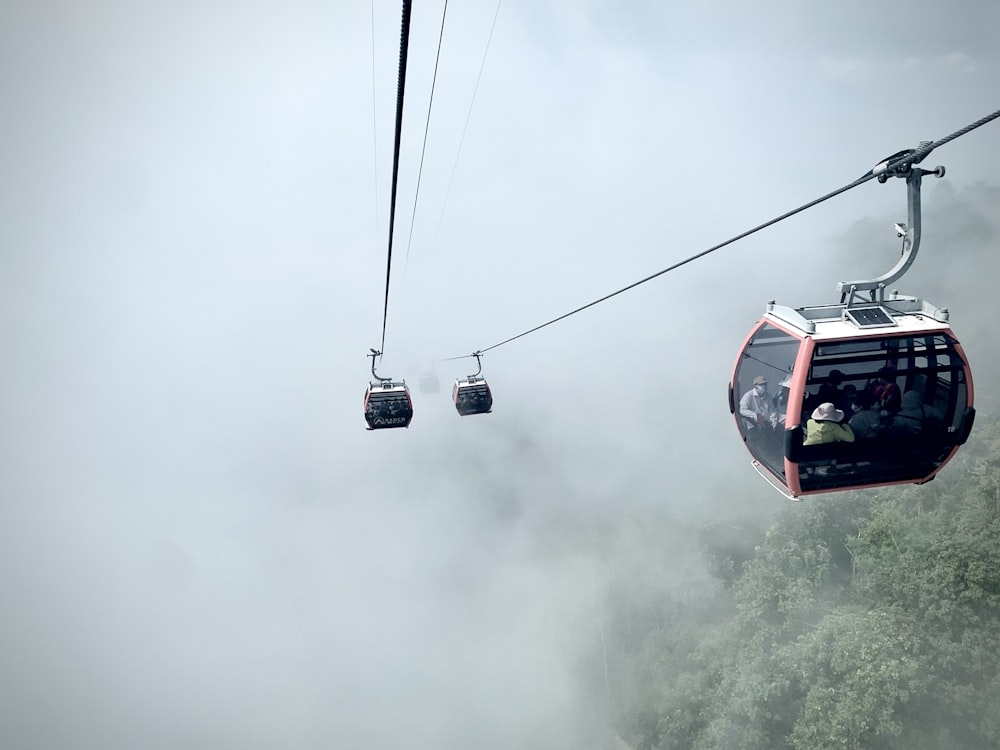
(861, 620)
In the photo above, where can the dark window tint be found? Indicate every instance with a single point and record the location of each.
(910, 399)
(928, 365)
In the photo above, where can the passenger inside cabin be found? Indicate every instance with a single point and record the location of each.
(909, 420)
(756, 408)
(829, 392)
(866, 420)
(850, 399)
(780, 398)
(886, 392)
(825, 426)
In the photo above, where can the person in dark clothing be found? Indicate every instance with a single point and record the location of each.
(830, 393)
(909, 420)
(866, 421)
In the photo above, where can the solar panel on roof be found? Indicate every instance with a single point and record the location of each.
(869, 317)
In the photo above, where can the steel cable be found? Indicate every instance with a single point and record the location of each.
(404, 40)
(896, 160)
(427, 127)
(468, 116)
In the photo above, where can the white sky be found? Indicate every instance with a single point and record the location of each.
(199, 543)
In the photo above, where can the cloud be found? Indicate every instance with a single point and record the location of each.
(867, 67)
(956, 60)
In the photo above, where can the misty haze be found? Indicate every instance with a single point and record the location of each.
(200, 544)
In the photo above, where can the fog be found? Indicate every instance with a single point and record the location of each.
(200, 545)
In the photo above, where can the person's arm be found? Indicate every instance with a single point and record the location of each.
(846, 433)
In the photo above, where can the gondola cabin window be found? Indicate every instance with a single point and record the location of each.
(929, 366)
(761, 396)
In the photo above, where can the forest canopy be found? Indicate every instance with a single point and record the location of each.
(856, 620)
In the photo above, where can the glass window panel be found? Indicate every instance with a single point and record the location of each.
(770, 354)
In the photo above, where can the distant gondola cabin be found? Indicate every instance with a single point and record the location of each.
(387, 405)
(429, 383)
(472, 396)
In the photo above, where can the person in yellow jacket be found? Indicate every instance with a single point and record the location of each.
(825, 426)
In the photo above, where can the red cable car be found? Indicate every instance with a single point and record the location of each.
(473, 395)
(864, 393)
(387, 402)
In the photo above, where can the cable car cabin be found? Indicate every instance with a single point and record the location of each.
(894, 369)
(472, 396)
(388, 404)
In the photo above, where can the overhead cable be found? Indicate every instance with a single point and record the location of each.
(895, 161)
(427, 127)
(374, 117)
(468, 116)
(926, 148)
(404, 42)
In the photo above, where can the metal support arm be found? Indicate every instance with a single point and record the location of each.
(479, 363)
(910, 232)
(376, 353)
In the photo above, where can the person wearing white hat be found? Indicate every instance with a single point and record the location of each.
(825, 426)
(780, 398)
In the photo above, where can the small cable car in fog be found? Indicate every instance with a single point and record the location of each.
(889, 367)
(472, 395)
(429, 382)
(387, 402)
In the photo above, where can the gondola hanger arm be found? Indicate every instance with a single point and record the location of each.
(901, 164)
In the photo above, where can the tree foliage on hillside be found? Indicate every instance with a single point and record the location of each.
(858, 620)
